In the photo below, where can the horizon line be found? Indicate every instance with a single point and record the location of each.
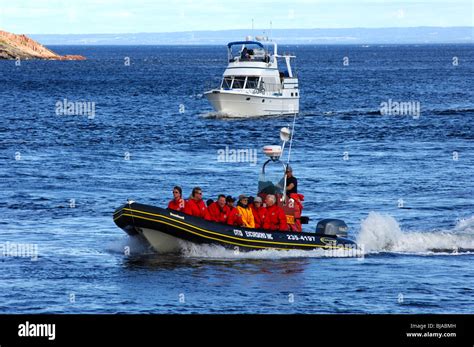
(222, 30)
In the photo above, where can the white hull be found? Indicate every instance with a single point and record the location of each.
(161, 242)
(235, 104)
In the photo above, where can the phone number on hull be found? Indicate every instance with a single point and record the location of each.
(301, 238)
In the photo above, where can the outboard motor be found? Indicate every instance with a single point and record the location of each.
(332, 227)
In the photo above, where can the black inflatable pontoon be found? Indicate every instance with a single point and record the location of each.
(163, 229)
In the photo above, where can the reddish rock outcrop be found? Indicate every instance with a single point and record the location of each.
(14, 46)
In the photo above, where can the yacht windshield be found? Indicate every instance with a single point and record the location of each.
(240, 82)
(248, 51)
(252, 82)
(227, 83)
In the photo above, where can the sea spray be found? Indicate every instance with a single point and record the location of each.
(382, 233)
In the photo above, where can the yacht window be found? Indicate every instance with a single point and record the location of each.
(252, 82)
(239, 82)
(226, 82)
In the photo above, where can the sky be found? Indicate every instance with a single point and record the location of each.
(135, 16)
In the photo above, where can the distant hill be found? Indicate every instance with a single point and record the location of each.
(14, 46)
(418, 35)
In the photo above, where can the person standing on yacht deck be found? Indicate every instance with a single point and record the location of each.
(245, 54)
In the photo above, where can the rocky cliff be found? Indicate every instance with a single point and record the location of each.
(14, 46)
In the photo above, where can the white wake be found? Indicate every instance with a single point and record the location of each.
(382, 233)
(191, 250)
(378, 233)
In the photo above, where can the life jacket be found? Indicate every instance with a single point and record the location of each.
(177, 205)
(275, 219)
(235, 218)
(218, 214)
(296, 207)
(298, 199)
(258, 216)
(247, 216)
(197, 209)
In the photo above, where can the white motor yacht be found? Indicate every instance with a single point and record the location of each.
(257, 81)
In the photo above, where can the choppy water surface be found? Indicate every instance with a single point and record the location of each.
(62, 177)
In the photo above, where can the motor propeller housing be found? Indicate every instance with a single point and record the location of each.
(332, 227)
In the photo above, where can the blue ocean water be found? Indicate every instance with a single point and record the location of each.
(62, 176)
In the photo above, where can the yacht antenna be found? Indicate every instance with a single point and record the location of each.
(271, 28)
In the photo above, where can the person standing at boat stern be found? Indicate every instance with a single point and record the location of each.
(292, 193)
(218, 210)
(195, 205)
(245, 211)
(275, 218)
(291, 182)
(177, 203)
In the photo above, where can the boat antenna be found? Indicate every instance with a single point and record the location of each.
(271, 28)
(283, 199)
(286, 135)
(291, 139)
